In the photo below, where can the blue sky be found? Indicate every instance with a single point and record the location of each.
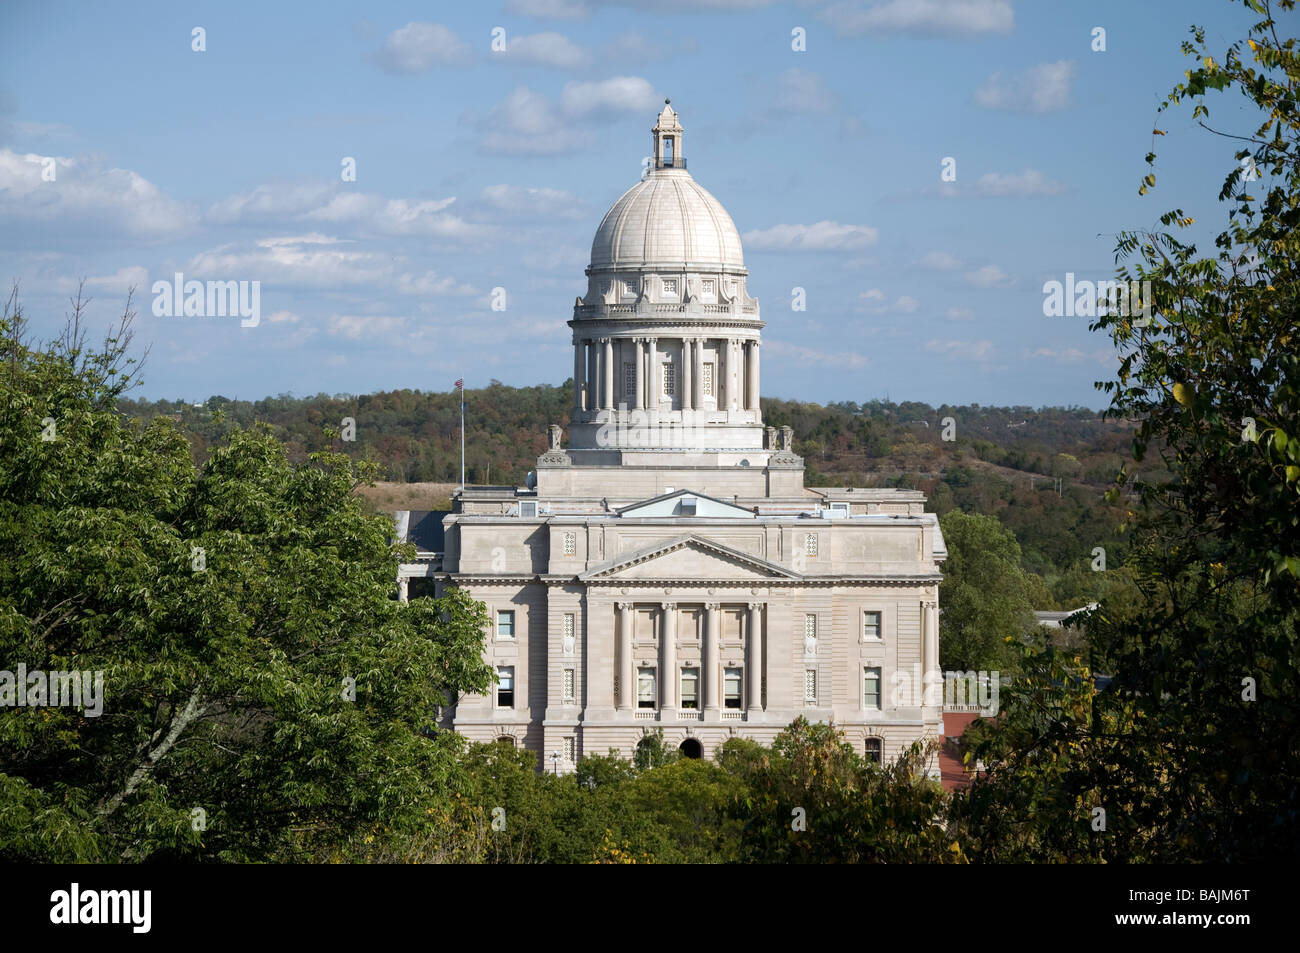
(478, 170)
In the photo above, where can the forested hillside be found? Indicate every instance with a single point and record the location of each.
(1041, 472)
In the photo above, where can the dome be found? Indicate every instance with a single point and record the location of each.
(667, 219)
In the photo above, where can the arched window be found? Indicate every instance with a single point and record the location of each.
(875, 749)
(691, 748)
(507, 740)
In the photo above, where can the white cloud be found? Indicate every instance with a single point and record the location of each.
(354, 326)
(86, 198)
(904, 304)
(1039, 89)
(802, 92)
(620, 93)
(523, 201)
(1029, 182)
(284, 317)
(1071, 355)
(551, 9)
(431, 283)
(118, 283)
(307, 260)
(808, 357)
(941, 261)
(419, 47)
(364, 212)
(527, 123)
(926, 17)
(544, 49)
(979, 350)
(959, 314)
(989, 276)
(820, 236)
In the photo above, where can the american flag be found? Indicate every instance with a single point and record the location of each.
(460, 383)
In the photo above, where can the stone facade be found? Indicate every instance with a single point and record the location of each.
(668, 568)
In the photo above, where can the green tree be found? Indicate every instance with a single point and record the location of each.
(264, 694)
(984, 598)
(1191, 752)
(811, 799)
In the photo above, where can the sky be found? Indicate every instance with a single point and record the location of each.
(380, 169)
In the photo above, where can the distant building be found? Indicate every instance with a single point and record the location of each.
(668, 568)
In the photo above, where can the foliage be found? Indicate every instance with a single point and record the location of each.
(1193, 751)
(986, 599)
(229, 609)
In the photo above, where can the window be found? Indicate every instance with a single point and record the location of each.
(568, 625)
(570, 543)
(810, 687)
(670, 286)
(871, 625)
(874, 750)
(810, 626)
(506, 687)
(687, 506)
(871, 688)
(670, 379)
(570, 749)
(568, 685)
(645, 688)
(505, 623)
(810, 544)
(708, 286)
(706, 379)
(629, 382)
(731, 688)
(528, 508)
(691, 688)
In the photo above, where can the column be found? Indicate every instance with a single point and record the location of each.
(639, 374)
(609, 371)
(698, 399)
(709, 668)
(930, 658)
(754, 658)
(684, 384)
(722, 386)
(737, 398)
(592, 381)
(653, 376)
(668, 656)
(579, 353)
(626, 672)
(751, 364)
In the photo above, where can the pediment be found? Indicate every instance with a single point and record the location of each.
(687, 503)
(688, 558)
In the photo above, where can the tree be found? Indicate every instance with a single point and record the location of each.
(984, 597)
(1192, 752)
(264, 694)
(811, 799)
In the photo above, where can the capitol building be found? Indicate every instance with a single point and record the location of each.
(666, 567)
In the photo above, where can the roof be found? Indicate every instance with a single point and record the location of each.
(425, 530)
(666, 219)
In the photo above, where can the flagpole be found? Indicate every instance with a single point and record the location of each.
(461, 384)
